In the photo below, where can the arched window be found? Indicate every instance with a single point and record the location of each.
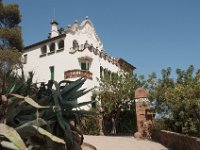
(44, 50)
(75, 45)
(52, 47)
(61, 45)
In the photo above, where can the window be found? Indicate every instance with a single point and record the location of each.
(44, 50)
(52, 47)
(84, 66)
(75, 45)
(51, 72)
(61, 45)
(25, 59)
(85, 62)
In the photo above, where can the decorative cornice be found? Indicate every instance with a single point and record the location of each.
(76, 48)
(115, 61)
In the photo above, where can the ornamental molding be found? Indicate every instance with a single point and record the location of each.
(77, 73)
(80, 48)
(86, 27)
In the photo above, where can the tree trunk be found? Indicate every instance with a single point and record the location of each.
(3, 108)
(113, 131)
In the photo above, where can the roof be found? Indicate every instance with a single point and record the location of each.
(54, 22)
(122, 61)
(44, 41)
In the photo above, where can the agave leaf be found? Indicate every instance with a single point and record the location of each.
(34, 104)
(48, 134)
(39, 122)
(64, 125)
(18, 88)
(32, 147)
(58, 90)
(13, 136)
(18, 96)
(69, 104)
(81, 93)
(13, 110)
(8, 145)
(30, 101)
(67, 132)
(12, 89)
(26, 131)
(71, 93)
(78, 83)
(21, 119)
(11, 100)
(86, 103)
(30, 129)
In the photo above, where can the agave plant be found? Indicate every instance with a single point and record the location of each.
(41, 119)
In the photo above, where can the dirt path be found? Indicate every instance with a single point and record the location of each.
(122, 143)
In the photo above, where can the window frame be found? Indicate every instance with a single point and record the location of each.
(52, 72)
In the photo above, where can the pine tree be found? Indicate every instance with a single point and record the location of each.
(10, 37)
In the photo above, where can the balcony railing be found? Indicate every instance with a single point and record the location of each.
(78, 73)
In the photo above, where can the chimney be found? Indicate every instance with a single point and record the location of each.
(54, 29)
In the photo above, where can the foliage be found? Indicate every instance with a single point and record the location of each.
(179, 100)
(11, 43)
(90, 125)
(115, 94)
(127, 123)
(10, 32)
(116, 91)
(12, 135)
(42, 116)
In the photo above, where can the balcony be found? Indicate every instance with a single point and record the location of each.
(76, 73)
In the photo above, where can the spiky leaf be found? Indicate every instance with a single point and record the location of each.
(30, 101)
(13, 136)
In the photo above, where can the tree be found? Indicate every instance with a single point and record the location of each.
(10, 37)
(10, 41)
(179, 99)
(115, 93)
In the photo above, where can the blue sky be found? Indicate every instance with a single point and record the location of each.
(150, 34)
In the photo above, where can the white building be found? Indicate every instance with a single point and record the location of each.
(70, 54)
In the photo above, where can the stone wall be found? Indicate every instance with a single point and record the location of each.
(175, 141)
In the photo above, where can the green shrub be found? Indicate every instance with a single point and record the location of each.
(90, 125)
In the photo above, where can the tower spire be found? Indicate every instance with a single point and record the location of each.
(54, 14)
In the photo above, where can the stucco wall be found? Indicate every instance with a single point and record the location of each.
(64, 60)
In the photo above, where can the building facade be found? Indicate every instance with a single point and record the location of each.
(72, 53)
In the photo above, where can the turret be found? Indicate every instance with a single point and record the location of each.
(54, 29)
